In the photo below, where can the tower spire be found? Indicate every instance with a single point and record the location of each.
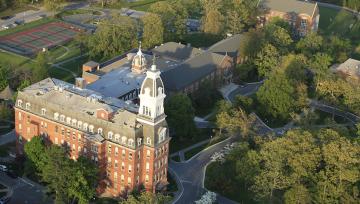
(139, 51)
(153, 66)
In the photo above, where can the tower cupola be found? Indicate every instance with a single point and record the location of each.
(139, 64)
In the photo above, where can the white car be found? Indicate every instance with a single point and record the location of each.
(3, 168)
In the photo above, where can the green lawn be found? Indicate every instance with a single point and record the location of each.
(341, 23)
(27, 26)
(199, 135)
(201, 39)
(176, 158)
(61, 74)
(194, 151)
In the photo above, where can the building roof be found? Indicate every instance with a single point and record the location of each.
(91, 64)
(176, 51)
(7, 93)
(291, 6)
(229, 46)
(350, 66)
(191, 70)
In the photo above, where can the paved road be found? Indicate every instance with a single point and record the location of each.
(7, 138)
(245, 90)
(24, 191)
(190, 175)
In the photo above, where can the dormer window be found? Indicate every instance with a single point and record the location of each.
(117, 137)
(148, 140)
(110, 135)
(56, 116)
(123, 140)
(91, 128)
(27, 106)
(139, 141)
(162, 134)
(131, 142)
(73, 122)
(85, 127)
(19, 103)
(62, 118)
(68, 120)
(43, 111)
(79, 124)
(100, 131)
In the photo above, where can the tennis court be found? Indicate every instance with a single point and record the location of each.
(33, 40)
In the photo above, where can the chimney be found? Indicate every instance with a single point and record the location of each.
(80, 83)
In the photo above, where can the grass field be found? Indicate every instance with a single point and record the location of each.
(341, 23)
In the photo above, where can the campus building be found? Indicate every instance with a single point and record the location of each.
(129, 142)
(302, 15)
(183, 68)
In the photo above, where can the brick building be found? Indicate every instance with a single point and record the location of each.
(183, 68)
(302, 15)
(129, 142)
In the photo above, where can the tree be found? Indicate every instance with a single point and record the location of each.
(53, 5)
(180, 114)
(5, 111)
(4, 73)
(267, 60)
(41, 69)
(339, 49)
(310, 44)
(212, 22)
(235, 121)
(153, 30)
(34, 151)
(276, 96)
(233, 23)
(278, 37)
(146, 198)
(113, 37)
(173, 17)
(297, 194)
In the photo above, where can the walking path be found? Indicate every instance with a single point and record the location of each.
(7, 138)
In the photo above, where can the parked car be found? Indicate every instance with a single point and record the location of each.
(6, 17)
(19, 22)
(3, 168)
(6, 26)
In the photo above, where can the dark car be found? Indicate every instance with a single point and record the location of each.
(6, 17)
(12, 174)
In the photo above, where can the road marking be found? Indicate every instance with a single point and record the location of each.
(27, 182)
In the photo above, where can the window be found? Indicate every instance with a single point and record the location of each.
(147, 166)
(56, 116)
(129, 180)
(109, 161)
(27, 106)
(115, 176)
(19, 116)
(94, 148)
(43, 111)
(85, 127)
(19, 103)
(123, 152)
(139, 141)
(130, 168)
(130, 156)
(20, 127)
(116, 164)
(62, 118)
(109, 149)
(79, 124)
(56, 140)
(116, 151)
(91, 128)
(147, 178)
(68, 120)
(123, 140)
(131, 142)
(122, 178)
(79, 149)
(110, 135)
(162, 134)
(79, 137)
(122, 166)
(148, 153)
(148, 140)
(73, 122)
(100, 131)
(117, 137)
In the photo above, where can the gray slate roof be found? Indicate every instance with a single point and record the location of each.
(191, 70)
(350, 66)
(228, 46)
(291, 6)
(176, 51)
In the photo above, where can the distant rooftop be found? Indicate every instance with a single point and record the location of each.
(291, 6)
(229, 46)
(176, 51)
(350, 66)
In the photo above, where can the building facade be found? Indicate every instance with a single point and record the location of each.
(129, 142)
(303, 16)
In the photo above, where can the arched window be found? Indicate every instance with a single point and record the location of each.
(68, 120)
(85, 126)
(62, 118)
(131, 142)
(123, 139)
(73, 122)
(91, 128)
(19, 103)
(100, 131)
(27, 106)
(110, 135)
(56, 116)
(148, 140)
(117, 137)
(162, 134)
(79, 124)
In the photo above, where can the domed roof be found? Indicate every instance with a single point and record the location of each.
(152, 83)
(139, 62)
